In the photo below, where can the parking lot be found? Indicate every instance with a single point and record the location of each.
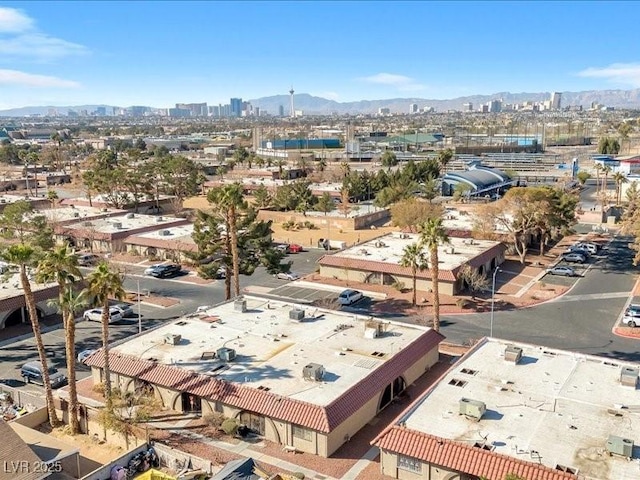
(595, 261)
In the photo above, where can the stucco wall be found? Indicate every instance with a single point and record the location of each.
(323, 221)
(389, 466)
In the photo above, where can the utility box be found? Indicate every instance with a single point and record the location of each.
(226, 354)
(620, 446)
(240, 305)
(296, 314)
(474, 409)
(313, 371)
(513, 354)
(629, 377)
(172, 338)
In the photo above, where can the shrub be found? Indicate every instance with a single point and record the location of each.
(298, 475)
(399, 286)
(98, 388)
(463, 303)
(214, 419)
(309, 225)
(230, 426)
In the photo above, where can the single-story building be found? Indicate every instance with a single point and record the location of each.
(166, 243)
(13, 309)
(162, 204)
(527, 410)
(378, 261)
(306, 379)
(37, 203)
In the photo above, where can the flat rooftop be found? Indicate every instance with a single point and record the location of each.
(8, 198)
(69, 213)
(122, 223)
(178, 237)
(272, 349)
(11, 287)
(388, 249)
(554, 407)
(454, 219)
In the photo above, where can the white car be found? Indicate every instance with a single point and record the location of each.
(288, 276)
(563, 271)
(592, 248)
(84, 354)
(349, 296)
(95, 315)
(125, 309)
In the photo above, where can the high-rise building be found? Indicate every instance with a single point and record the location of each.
(293, 111)
(178, 112)
(413, 108)
(384, 111)
(556, 100)
(467, 107)
(236, 107)
(281, 111)
(196, 109)
(495, 106)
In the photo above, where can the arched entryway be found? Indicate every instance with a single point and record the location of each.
(190, 403)
(19, 316)
(392, 391)
(253, 421)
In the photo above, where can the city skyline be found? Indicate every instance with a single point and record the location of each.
(65, 53)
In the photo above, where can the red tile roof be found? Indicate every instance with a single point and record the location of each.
(395, 269)
(315, 417)
(461, 457)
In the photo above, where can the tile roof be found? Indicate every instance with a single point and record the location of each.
(315, 417)
(462, 457)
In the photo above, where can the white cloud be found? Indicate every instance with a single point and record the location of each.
(624, 73)
(23, 79)
(401, 82)
(328, 95)
(19, 37)
(14, 21)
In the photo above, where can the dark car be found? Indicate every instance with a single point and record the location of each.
(32, 372)
(165, 271)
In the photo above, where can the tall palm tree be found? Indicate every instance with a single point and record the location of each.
(444, 157)
(598, 168)
(229, 200)
(413, 257)
(432, 234)
(619, 178)
(104, 284)
(606, 170)
(24, 255)
(61, 266)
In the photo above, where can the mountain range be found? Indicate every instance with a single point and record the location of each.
(312, 105)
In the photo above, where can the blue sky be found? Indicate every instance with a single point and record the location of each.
(159, 53)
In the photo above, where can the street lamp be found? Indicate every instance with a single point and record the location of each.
(139, 316)
(493, 293)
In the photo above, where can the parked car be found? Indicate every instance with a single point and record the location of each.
(87, 259)
(631, 317)
(166, 270)
(221, 273)
(283, 247)
(574, 257)
(589, 247)
(125, 309)
(563, 271)
(149, 270)
(295, 248)
(347, 297)
(287, 276)
(32, 372)
(84, 354)
(95, 315)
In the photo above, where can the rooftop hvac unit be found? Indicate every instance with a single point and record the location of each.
(2, 200)
(172, 338)
(76, 214)
(131, 215)
(296, 314)
(620, 446)
(629, 376)
(165, 233)
(159, 219)
(513, 354)
(373, 329)
(226, 354)
(117, 225)
(474, 409)
(313, 371)
(240, 305)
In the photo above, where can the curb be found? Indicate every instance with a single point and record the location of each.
(619, 318)
(29, 335)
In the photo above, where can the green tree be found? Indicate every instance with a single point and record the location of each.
(413, 257)
(619, 178)
(444, 157)
(325, 203)
(432, 235)
(103, 284)
(608, 146)
(60, 265)
(52, 196)
(412, 213)
(583, 176)
(429, 189)
(389, 159)
(261, 197)
(179, 177)
(26, 256)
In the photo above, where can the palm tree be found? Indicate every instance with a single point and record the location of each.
(61, 266)
(413, 257)
(228, 200)
(432, 234)
(444, 157)
(24, 255)
(605, 187)
(103, 284)
(52, 196)
(598, 168)
(619, 178)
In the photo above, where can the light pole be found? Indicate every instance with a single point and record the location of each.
(139, 315)
(493, 294)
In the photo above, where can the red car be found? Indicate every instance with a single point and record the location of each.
(295, 248)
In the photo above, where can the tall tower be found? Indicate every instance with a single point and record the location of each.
(293, 112)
